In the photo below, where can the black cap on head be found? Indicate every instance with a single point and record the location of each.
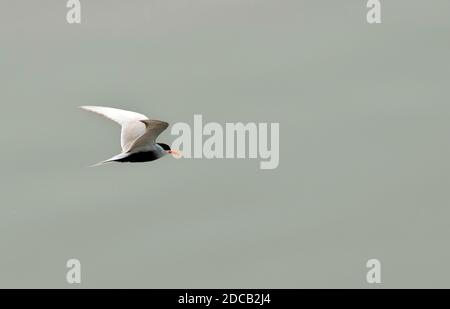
(164, 146)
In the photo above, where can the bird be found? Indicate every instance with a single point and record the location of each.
(138, 136)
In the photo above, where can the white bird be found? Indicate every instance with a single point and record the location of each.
(138, 136)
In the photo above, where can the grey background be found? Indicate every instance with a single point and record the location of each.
(364, 146)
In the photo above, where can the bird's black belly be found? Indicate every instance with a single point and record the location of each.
(141, 157)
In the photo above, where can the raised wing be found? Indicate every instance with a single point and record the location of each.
(153, 129)
(132, 127)
(118, 115)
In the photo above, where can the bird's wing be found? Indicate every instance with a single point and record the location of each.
(153, 129)
(132, 127)
(118, 115)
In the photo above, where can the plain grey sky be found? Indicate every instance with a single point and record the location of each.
(364, 144)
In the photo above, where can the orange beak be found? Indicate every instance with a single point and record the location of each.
(175, 153)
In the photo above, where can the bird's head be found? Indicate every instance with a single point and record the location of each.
(175, 153)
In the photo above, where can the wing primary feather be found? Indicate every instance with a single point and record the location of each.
(132, 128)
(118, 115)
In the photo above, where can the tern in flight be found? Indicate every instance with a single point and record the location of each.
(138, 136)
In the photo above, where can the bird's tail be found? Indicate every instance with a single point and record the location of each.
(100, 163)
(115, 158)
